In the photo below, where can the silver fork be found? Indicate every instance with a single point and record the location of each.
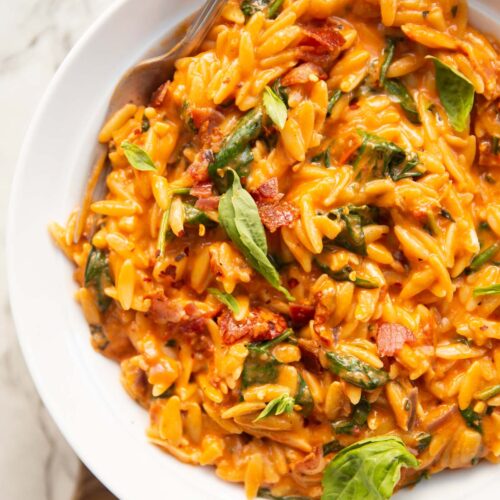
(140, 81)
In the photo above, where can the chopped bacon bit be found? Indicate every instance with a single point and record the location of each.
(303, 73)
(159, 95)
(273, 212)
(203, 115)
(208, 204)
(391, 337)
(163, 311)
(261, 324)
(267, 192)
(327, 37)
(198, 170)
(321, 45)
(301, 314)
(203, 190)
(276, 215)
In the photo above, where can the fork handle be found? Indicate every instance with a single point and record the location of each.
(200, 28)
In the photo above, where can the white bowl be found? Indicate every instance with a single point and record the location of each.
(81, 388)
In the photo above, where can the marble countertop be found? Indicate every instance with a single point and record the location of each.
(35, 35)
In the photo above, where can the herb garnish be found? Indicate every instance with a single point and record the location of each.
(137, 157)
(239, 216)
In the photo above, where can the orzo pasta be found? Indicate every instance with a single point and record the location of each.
(296, 262)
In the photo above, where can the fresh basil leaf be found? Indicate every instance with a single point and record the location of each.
(456, 93)
(472, 419)
(137, 157)
(304, 397)
(277, 406)
(247, 130)
(368, 469)
(399, 92)
(388, 54)
(225, 298)
(488, 393)
(266, 493)
(275, 107)
(331, 447)
(483, 257)
(239, 216)
(98, 276)
(355, 371)
(487, 290)
(346, 274)
(377, 158)
(334, 99)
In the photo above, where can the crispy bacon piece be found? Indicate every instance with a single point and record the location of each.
(206, 115)
(321, 45)
(304, 73)
(208, 204)
(301, 314)
(327, 37)
(276, 215)
(391, 337)
(159, 95)
(273, 212)
(198, 170)
(203, 190)
(261, 324)
(267, 191)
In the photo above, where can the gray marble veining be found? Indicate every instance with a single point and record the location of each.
(35, 35)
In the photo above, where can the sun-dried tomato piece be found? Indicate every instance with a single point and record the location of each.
(261, 324)
(304, 73)
(301, 314)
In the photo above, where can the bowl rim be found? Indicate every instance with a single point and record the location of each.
(123, 487)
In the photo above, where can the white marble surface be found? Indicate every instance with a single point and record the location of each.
(35, 35)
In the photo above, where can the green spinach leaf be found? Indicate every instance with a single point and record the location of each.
(304, 397)
(487, 290)
(334, 99)
(239, 216)
(346, 274)
(97, 275)
(355, 371)
(247, 130)
(368, 469)
(483, 257)
(400, 93)
(377, 158)
(388, 56)
(456, 94)
(472, 419)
